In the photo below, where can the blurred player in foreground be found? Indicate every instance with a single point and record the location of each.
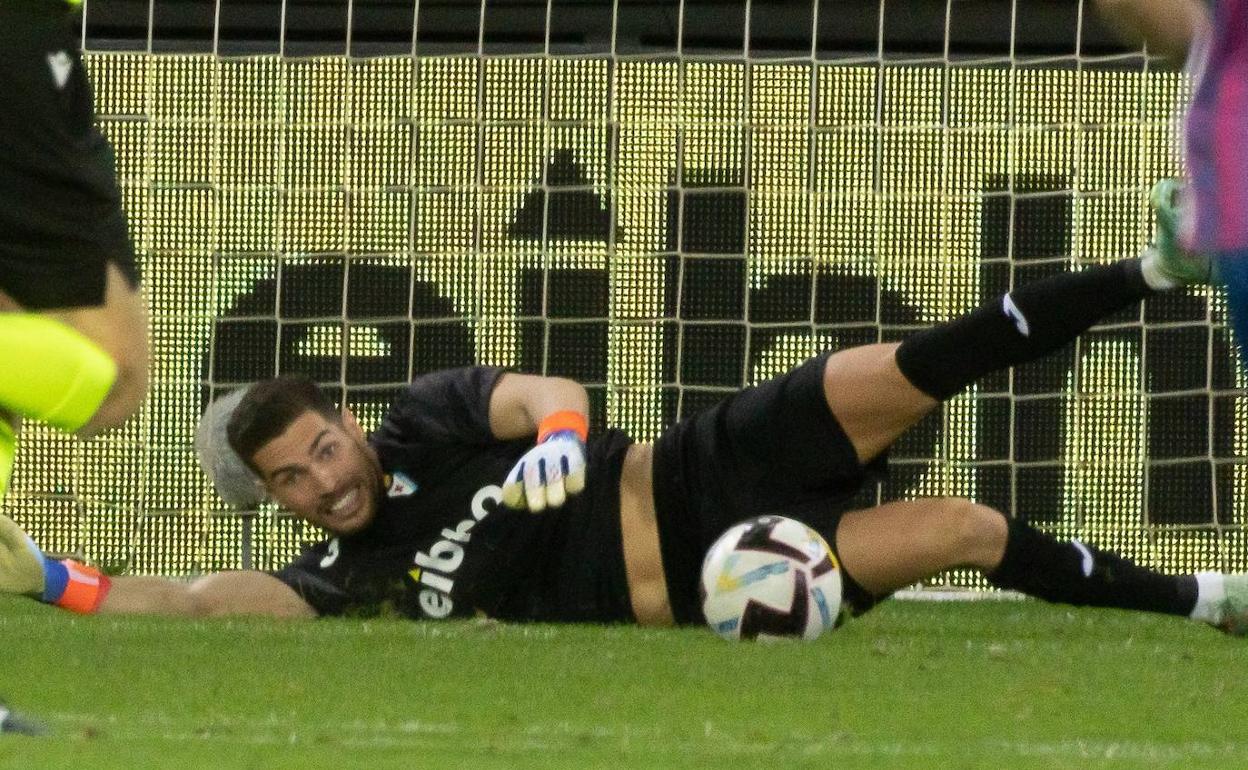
(73, 325)
(1211, 216)
(451, 509)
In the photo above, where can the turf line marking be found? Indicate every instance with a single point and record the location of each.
(643, 739)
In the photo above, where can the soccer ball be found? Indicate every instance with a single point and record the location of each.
(770, 576)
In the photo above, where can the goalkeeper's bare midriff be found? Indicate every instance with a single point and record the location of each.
(639, 530)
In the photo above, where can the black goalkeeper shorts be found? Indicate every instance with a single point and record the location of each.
(772, 448)
(61, 221)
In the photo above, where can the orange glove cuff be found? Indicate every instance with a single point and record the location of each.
(565, 420)
(85, 590)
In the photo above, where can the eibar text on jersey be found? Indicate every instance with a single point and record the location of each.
(437, 566)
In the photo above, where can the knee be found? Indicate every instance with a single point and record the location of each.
(130, 389)
(977, 532)
(1113, 8)
(126, 395)
(1120, 12)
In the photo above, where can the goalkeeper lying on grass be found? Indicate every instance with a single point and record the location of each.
(451, 509)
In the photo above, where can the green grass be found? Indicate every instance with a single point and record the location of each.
(913, 684)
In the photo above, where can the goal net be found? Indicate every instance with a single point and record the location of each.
(667, 206)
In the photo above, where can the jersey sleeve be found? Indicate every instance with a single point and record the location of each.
(314, 585)
(447, 406)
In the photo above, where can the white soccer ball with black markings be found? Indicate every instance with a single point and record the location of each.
(770, 576)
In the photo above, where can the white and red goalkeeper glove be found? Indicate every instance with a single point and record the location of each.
(554, 469)
(21, 561)
(24, 569)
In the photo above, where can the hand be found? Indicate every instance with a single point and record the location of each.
(21, 561)
(547, 473)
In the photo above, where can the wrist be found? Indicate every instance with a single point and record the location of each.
(73, 586)
(565, 421)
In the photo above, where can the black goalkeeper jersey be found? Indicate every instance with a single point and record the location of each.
(443, 544)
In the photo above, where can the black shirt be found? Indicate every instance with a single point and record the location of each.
(443, 544)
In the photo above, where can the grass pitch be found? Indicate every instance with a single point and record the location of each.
(912, 684)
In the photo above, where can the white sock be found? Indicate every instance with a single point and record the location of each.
(1153, 276)
(1210, 593)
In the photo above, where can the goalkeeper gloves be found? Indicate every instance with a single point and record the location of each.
(21, 561)
(24, 569)
(553, 469)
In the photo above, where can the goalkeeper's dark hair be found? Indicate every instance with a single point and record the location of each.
(269, 407)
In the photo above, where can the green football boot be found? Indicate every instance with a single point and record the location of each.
(1181, 266)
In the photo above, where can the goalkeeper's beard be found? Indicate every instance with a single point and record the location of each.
(355, 514)
(365, 487)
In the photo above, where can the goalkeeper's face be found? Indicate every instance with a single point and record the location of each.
(323, 471)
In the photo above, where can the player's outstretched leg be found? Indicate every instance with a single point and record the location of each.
(1076, 573)
(1073, 572)
(82, 370)
(879, 391)
(898, 544)
(73, 325)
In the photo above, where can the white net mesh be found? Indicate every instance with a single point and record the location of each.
(663, 215)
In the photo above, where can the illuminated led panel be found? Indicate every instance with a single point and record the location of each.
(119, 82)
(380, 156)
(314, 91)
(172, 544)
(846, 97)
(685, 227)
(219, 543)
(515, 90)
(447, 89)
(108, 535)
(315, 156)
(249, 220)
(55, 519)
(249, 155)
(181, 152)
(381, 90)
(251, 91)
(180, 220)
(46, 466)
(313, 220)
(129, 139)
(578, 90)
(182, 88)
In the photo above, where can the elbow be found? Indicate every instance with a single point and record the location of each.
(554, 394)
(198, 603)
(576, 393)
(561, 387)
(208, 597)
(236, 594)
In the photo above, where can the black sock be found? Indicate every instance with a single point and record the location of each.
(1073, 573)
(1022, 325)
